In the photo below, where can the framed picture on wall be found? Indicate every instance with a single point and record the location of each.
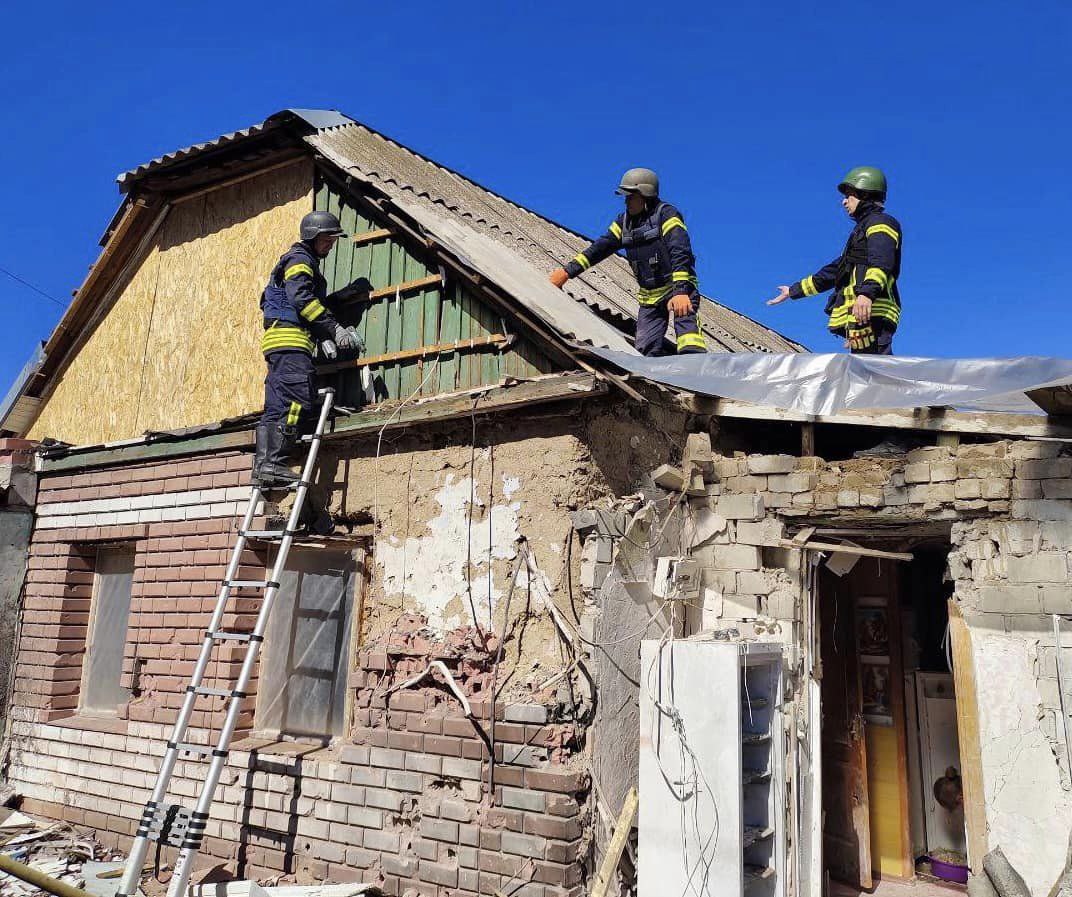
(872, 633)
(875, 682)
(873, 650)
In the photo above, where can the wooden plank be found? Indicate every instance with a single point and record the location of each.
(834, 548)
(148, 451)
(391, 371)
(968, 734)
(412, 318)
(935, 420)
(388, 292)
(555, 387)
(483, 342)
(616, 847)
(450, 330)
(371, 236)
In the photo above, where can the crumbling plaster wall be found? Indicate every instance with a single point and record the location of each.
(1008, 508)
(440, 506)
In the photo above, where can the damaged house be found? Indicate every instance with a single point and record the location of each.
(550, 581)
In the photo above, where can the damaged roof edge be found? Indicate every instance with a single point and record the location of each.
(317, 119)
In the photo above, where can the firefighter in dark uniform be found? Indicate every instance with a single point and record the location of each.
(296, 320)
(657, 246)
(865, 306)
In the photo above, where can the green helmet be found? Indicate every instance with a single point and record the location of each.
(640, 180)
(865, 179)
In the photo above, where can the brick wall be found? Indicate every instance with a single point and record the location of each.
(402, 800)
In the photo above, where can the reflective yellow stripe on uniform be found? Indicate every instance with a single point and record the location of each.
(313, 310)
(295, 270)
(616, 229)
(286, 336)
(807, 286)
(878, 276)
(886, 308)
(652, 296)
(691, 341)
(581, 259)
(682, 277)
(293, 414)
(884, 229)
(670, 223)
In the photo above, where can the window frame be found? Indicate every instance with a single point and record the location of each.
(92, 636)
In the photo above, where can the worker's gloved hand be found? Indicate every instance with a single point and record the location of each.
(329, 350)
(861, 309)
(559, 277)
(783, 294)
(680, 305)
(346, 338)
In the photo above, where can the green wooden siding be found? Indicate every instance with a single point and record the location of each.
(428, 316)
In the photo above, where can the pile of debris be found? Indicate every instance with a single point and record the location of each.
(59, 851)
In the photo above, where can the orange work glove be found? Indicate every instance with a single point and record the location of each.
(680, 305)
(559, 277)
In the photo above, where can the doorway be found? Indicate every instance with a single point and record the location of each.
(890, 765)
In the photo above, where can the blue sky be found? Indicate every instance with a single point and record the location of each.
(751, 113)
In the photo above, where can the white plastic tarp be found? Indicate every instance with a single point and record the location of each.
(826, 384)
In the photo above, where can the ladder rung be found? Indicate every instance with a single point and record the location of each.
(309, 437)
(204, 750)
(222, 636)
(210, 692)
(264, 533)
(248, 584)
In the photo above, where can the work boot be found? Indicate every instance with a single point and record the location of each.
(274, 471)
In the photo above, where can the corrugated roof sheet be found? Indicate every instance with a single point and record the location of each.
(609, 287)
(538, 242)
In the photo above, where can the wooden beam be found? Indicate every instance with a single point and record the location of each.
(807, 440)
(834, 548)
(300, 156)
(969, 737)
(550, 388)
(372, 236)
(349, 294)
(934, 420)
(616, 847)
(495, 340)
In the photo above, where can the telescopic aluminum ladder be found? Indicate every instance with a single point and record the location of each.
(170, 824)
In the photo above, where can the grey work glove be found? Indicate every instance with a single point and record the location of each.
(346, 338)
(329, 350)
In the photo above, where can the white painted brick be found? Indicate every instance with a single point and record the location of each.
(740, 507)
(150, 515)
(735, 557)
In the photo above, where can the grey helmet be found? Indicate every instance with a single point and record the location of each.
(316, 223)
(640, 180)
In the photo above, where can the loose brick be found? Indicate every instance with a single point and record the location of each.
(388, 758)
(535, 714)
(523, 845)
(439, 830)
(383, 800)
(455, 810)
(462, 769)
(517, 798)
(405, 781)
(553, 827)
(561, 782)
(402, 866)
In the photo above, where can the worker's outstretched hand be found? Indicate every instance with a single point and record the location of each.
(559, 277)
(783, 294)
(861, 309)
(680, 305)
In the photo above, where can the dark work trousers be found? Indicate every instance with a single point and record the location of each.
(651, 328)
(290, 389)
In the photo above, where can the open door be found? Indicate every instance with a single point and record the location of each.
(847, 824)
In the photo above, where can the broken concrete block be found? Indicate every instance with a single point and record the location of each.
(728, 467)
(781, 605)
(768, 532)
(870, 496)
(1009, 599)
(735, 557)
(765, 464)
(712, 608)
(1042, 509)
(994, 489)
(697, 486)
(791, 482)
(740, 507)
(702, 526)
(848, 498)
(669, 477)
(985, 467)
(1055, 489)
(1024, 450)
(753, 582)
(968, 489)
(584, 521)
(1045, 566)
(1044, 469)
(917, 473)
(740, 607)
(777, 499)
(698, 454)
(943, 472)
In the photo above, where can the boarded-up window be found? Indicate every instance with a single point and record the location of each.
(302, 689)
(102, 668)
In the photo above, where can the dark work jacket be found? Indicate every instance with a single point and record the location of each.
(293, 303)
(868, 266)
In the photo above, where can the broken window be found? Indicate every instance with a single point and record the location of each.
(102, 669)
(302, 689)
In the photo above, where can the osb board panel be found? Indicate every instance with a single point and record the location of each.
(180, 346)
